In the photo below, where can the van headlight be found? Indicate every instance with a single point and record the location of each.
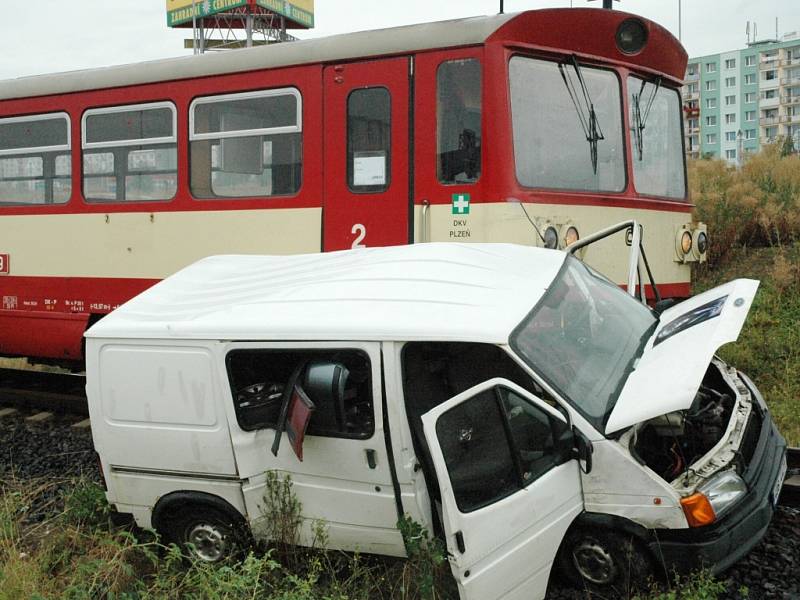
(713, 499)
(723, 491)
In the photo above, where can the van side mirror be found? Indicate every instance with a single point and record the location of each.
(583, 450)
(325, 383)
(664, 304)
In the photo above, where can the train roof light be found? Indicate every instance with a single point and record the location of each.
(631, 36)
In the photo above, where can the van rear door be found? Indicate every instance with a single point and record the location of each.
(510, 488)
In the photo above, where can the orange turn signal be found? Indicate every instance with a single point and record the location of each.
(698, 510)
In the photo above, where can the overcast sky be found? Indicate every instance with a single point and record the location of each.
(53, 35)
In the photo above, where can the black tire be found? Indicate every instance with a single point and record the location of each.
(206, 533)
(604, 561)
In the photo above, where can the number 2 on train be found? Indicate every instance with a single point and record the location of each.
(359, 231)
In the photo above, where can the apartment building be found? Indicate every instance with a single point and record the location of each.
(736, 101)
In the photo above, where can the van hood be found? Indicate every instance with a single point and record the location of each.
(668, 375)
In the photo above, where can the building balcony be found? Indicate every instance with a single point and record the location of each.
(692, 77)
(691, 95)
(769, 83)
(789, 62)
(791, 80)
(792, 118)
(790, 99)
(768, 102)
(769, 62)
(764, 121)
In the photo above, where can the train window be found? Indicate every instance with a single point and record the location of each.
(130, 153)
(658, 147)
(458, 121)
(338, 382)
(35, 165)
(369, 140)
(245, 145)
(558, 142)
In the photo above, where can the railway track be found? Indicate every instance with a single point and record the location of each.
(62, 393)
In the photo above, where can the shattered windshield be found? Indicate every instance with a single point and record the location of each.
(656, 139)
(583, 338)
(567, 125)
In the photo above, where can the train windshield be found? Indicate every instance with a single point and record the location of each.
(567, 122)
(656, 139)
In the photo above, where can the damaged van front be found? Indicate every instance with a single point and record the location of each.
(688, 463)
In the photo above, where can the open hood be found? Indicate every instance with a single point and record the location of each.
(669, 373)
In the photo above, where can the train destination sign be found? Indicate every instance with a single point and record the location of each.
(299, 13)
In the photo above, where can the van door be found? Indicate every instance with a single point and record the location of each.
(366, 153)
(510, 488)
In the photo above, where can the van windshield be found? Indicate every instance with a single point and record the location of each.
(583, 338)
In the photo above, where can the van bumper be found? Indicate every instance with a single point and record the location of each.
(717, 546)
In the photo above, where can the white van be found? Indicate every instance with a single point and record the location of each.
(509, 398)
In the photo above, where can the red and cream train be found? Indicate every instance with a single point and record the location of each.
(530, 128)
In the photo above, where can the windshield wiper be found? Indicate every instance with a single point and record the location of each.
(585, 109)
(640, 118)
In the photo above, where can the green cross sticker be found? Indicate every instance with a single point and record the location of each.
(460, 204)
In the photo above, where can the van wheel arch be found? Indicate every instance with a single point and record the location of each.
(174, 513)
(615, 535)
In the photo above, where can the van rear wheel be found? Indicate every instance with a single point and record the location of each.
(206, 534)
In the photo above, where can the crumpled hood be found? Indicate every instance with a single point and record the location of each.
(669, 373)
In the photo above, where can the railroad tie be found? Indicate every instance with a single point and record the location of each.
(39, 417)
(8, 412)
(82, 425)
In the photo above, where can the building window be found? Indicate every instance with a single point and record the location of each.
(369, 128)
(458, 121)
(750, 61)
(711, 120)
(246, 145)
(730, 63)
(769, 94)
(750, 134)
(692, 70)
(711, 103)
(730, 81)
(711, 85)
(750, 97)
(750, 115)
(711, 138)
(130, 153)
(770, 75)
(693, 124)
(35, 160)
(730, 136)
(693, 88)
(711, 67)
(730, 118)
(730, 100)
(750, 79)
(730, 154)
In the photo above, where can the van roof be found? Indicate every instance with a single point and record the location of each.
(436, 291)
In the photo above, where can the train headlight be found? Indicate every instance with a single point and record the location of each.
(551, 238)
(686, 242)
(631, 36)
(702, 242)
(571, 236)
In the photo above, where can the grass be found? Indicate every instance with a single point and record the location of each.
(768, 349)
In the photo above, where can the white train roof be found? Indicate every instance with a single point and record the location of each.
(425, 36)
(437, 291)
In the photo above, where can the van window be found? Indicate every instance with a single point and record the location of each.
(458, 121)
(338, 382)
(369, 140)
(494, 444)
(130, 153)
(246, 145)
(35, 164)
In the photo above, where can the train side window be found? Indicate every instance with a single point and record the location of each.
(458, 121)
(246, 145)
(338, 382)
(369, 140)
(130, 153)
(35, 163)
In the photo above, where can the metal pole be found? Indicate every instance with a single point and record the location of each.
(608, 4)
(194, 27)
(249, 28)
(680, 22)
(501, 7)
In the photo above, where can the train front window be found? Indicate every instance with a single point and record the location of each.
(657, 149)
(558, 142)
(458, 121)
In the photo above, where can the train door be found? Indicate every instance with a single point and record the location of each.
(366, 152)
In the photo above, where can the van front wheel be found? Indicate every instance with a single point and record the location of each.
(604, 560)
